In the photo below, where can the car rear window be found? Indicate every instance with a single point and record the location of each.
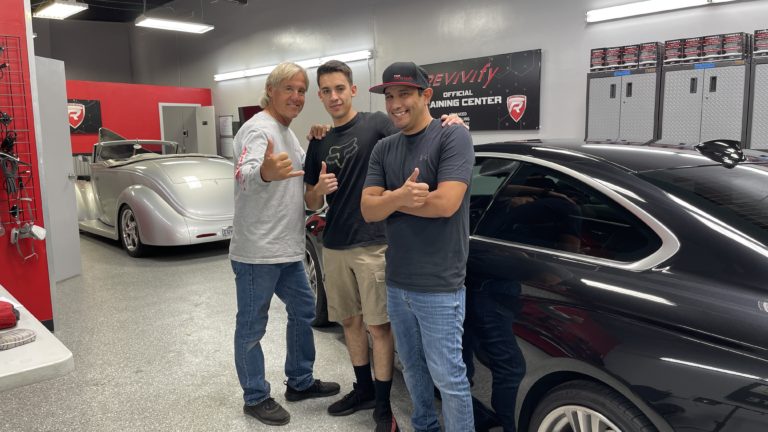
(737, 196)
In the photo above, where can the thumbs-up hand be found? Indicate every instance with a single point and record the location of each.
(277, 166)
(412, 193)
(326, 182)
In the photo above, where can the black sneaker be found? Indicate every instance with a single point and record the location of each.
(351, 402)
(386, 423)
(268, 412)
(318, 389)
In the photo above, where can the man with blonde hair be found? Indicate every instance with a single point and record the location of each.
(267, 248)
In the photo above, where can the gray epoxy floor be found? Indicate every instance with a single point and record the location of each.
(152, 345)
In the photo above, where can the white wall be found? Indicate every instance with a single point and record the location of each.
(427, 31)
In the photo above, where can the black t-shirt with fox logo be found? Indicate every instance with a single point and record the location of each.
(346, 151)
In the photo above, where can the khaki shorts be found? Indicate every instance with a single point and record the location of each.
(354, 284)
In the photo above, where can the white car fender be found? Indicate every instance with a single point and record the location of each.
(159, 223)
(87, 208)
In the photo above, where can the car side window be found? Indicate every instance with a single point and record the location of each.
(539, 206)
(488, 175)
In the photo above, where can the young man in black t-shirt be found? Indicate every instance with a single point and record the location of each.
(353, 250)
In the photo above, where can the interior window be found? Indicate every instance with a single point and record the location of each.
(488, 175)
(542, 207)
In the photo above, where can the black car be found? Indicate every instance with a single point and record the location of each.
(616, 287)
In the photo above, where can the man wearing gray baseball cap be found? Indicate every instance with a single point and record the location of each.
(418, 182)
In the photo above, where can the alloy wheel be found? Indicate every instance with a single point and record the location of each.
(129, 229)
(574, 418)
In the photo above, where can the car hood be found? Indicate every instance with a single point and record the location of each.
(194, 168)
(199, 186)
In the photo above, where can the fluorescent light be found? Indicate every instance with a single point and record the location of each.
(306, 64)
(59, 9)
(165, 24)
(644, 8)
(311, 63)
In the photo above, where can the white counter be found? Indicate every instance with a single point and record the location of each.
(43, 359)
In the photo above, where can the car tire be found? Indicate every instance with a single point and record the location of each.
(129, 233)
(315, 277)
(565, 405)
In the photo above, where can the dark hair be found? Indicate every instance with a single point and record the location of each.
(332, 66)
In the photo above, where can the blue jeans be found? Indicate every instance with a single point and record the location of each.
(428, 331)
(255, 285)
(491, 310)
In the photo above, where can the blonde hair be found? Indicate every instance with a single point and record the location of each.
(280, 73)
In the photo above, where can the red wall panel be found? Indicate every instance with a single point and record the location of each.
(131, 110)
(26, 280)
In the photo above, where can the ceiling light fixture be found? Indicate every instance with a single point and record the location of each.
(645, 8)
(176, 25)
(59, 9)
(307, 64)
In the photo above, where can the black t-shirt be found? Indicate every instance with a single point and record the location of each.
(425, 254)
(346, 150)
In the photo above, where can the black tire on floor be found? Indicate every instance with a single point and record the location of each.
(129, 233)
(315, 277)
(614, 412)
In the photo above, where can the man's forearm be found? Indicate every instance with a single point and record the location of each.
(312, 199)
(376, 208)
(442, 202)
(435, 207)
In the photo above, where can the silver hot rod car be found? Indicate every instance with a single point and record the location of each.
(143, 192)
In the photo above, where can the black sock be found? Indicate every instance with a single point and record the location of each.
(383, 389)
(364, 380)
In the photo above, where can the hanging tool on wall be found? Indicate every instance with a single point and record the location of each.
(30, 231)
(8, 142)
(9, 166)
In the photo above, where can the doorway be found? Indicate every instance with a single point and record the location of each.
(190, 125)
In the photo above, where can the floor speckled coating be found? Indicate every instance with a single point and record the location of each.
(152, 344)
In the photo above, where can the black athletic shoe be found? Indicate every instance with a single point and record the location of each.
(386, 423)
(268, 412)
(351, 402)
(318, 389)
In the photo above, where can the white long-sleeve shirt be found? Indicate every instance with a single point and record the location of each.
(268, 226)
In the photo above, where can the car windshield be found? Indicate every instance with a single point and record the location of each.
(118, 151)
(737, 197)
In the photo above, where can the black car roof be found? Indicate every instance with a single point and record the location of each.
(632, 157)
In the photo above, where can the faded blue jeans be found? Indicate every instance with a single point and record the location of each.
(428, 329)
(255, 285)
